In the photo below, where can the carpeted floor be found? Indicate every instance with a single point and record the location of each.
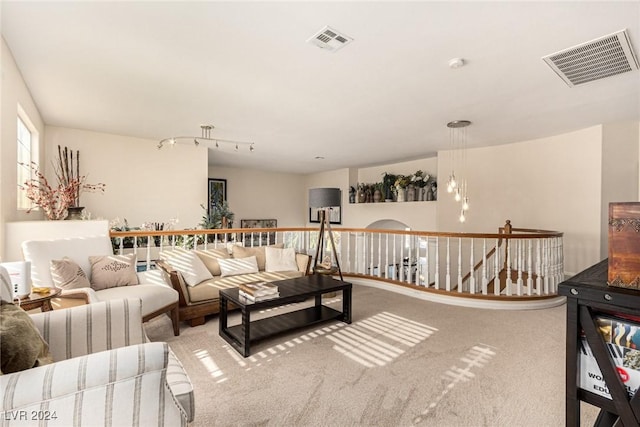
(401, 362)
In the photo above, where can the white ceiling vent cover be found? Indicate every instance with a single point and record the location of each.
(597, 59)
(329, 39)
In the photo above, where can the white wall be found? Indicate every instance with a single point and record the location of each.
(550, 183)
(143, 184)
(13, 91)
(254, 194)
(620, 153)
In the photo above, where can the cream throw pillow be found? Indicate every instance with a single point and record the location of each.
(189, 264)
(66, 274)
(210, 259)
(280, 259)
(258, 252)
(235, 266)
(109, 271)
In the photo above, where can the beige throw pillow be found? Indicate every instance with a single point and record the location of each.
(210, 259)
(236, 266)
(280, 259)
(109, 271)
(66, 274)
(258, 252)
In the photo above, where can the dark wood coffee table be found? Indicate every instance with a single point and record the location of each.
(291, 290)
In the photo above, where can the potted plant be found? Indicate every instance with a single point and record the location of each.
(388, 182)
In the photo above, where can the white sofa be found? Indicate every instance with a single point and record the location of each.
(156, 294)
(104, 372)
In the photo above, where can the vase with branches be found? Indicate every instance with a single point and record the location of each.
(56, 201)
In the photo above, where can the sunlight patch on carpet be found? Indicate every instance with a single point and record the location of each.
(379, 339)
(477, 357)
(207, 361)
(267, 355)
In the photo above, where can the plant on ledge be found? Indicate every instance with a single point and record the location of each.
(218, 217)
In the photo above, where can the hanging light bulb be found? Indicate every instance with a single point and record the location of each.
(457, 196)
(172, 141)
(465, 204)
(251, 148)
(449, 187)
(454, 184)
(462, 217)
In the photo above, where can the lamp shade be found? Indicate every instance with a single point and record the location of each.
(324, 197)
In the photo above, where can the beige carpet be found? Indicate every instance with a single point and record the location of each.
(401, 362)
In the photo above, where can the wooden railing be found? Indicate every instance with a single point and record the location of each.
(514, 263)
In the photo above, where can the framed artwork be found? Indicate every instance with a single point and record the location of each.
(256, 239)
(334, 215)
(217, 192)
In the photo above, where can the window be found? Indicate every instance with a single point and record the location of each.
(26, 153)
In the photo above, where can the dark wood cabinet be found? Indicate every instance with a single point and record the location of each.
(589, 297)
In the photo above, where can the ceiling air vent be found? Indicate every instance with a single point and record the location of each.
(597, 59)
(329, 39)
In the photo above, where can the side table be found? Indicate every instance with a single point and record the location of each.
(39, 300)
(588, 295)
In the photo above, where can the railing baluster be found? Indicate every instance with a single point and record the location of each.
(545, 264)
(509, 281)
(426, 265)
(472, 278)
(416, 243)
(496, 270)
(484, 267)
(379, 254)
(529, 267)
(348, 263)
(401, 272)
(148, 257)
(396, 274)
(447, 280)
(371, 256)
(520, 260)
(386, 261)
(460, 286)
(436, 276)
(538, 268)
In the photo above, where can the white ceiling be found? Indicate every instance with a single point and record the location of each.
(160, 69)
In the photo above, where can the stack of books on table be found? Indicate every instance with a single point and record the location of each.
(258, 291)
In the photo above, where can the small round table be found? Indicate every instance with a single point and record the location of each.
(39, 300)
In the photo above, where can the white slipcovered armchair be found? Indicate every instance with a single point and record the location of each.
(156, 294)
(104, 373)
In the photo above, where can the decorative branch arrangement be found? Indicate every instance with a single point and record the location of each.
(55, 201)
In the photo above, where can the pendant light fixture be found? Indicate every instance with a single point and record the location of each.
(458, 149)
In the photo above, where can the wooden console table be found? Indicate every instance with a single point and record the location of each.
(588, 296)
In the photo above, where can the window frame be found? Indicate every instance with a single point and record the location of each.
(25, 154)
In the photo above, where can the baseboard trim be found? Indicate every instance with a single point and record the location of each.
(462, 301)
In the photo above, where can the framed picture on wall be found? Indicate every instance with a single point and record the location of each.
(334, 215)
(217, 192)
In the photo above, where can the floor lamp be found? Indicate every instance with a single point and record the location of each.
(324, 199)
